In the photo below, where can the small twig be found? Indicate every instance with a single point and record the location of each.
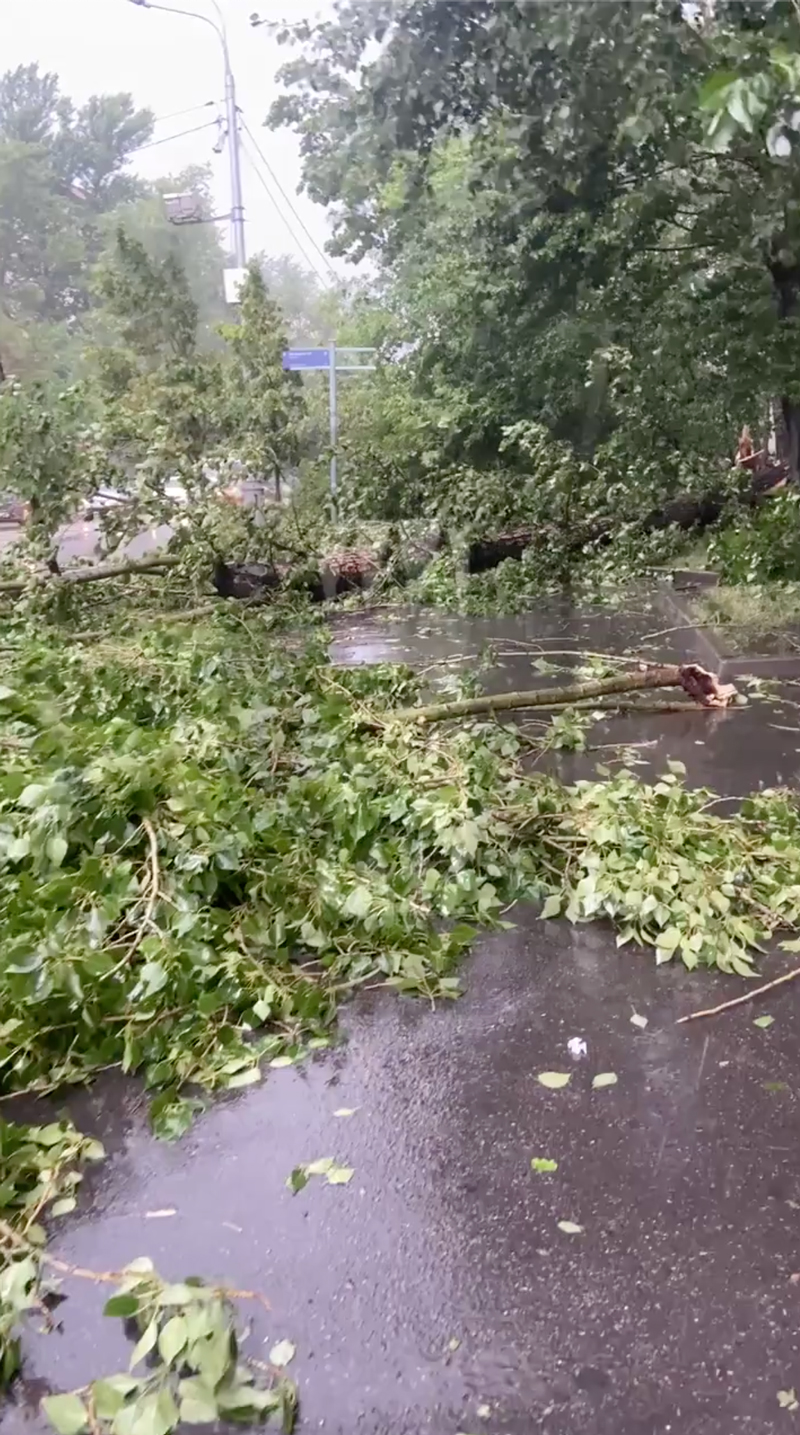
(739, 1001)
(679, 628)
(65, 1268)
(152, 898)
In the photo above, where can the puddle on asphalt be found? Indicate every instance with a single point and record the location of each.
(436, 1292)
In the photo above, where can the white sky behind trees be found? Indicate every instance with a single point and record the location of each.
(172, 64)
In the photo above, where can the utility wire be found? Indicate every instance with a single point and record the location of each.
(286, 198)
(259, 176)
(209, 125)
(178, 114)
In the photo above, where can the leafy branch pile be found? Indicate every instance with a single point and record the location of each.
(210, 837)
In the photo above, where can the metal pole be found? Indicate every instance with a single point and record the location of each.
(234, 142)
(333, 416)
(232, 118)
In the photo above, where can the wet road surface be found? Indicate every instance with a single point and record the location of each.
(436, 1292)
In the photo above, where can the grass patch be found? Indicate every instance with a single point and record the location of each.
(751, 613)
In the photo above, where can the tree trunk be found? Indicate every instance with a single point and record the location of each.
(786, 281)
(95, 574)
(699, 684)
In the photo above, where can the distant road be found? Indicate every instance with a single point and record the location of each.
(81, 540)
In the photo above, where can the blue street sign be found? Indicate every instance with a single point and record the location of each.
(307, 359)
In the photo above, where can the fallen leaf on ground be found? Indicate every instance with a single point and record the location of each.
(570, 1228)
(543, 1164)
(346, 1111)
(787, 1400)
(340, 1175)
(320, 1167)
(763, 1021)
(453, 1343)
(297, 1179)
(554, 1079)
(604, 1078)
(484, 1411)
(281, 1061)
(66, 1412)
(282, 1353)
(638, 1020)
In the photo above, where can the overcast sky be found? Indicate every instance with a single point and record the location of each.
(169, 64)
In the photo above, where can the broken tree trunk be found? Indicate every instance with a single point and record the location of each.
(91, 575)
(699, 684)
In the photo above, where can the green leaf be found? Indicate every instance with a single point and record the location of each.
(282, 1353)
(123, 1306)
(763, 1021)
(108, 1397)
(554, 1080)
(250, 1077)
(66, 1413)
(172, 1339)
(155, 1414)
(145, 1343)
(358, 903)
(278, 1061)
(604, 1078)
(56, 850)
(552, 907)
(321, 1166)
(542, 1165)
(712, 91)
(297, 1179)
(181, 1293)
(340, 1175)
(64, 1206)
(198, 1406)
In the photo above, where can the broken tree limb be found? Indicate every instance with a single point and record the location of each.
(94, 574)
(615, 707)
(739, 1001)
(700, 685)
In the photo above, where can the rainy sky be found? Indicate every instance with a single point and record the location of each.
(174, 65)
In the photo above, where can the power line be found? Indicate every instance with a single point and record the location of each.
(209, 125)
(259, 176)
(286, 198)
(178, 114)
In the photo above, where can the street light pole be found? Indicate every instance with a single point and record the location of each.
(232, 118)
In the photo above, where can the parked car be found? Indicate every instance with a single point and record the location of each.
(102, 500)
(12, 509)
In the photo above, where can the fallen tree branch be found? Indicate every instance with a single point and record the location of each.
(14, 1238)
(739, 1001)
(699, 684)
(94, 574)
(625, 709)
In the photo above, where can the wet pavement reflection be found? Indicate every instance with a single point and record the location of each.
(436, 1293)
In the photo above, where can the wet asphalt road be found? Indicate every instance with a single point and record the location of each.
(674, 1310)
(82, 540)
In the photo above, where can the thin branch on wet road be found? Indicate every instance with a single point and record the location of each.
(740, 1001)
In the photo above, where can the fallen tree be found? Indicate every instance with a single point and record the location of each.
(94, 574)
(700, 685)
